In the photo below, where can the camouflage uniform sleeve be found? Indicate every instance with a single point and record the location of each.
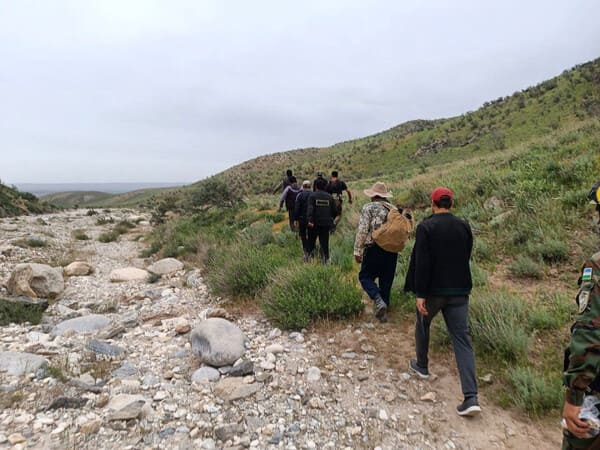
(362, 230)
(584, 360)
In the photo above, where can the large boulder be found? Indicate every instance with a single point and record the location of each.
(128, 274)
(218, 342)
(83, 324)
(78, 268)
(165, 266)
(17, 364)
(36, 280)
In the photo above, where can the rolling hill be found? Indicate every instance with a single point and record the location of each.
(564, 102)
(15, 203)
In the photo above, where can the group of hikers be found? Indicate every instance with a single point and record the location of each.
(440, 277)
(314, 210)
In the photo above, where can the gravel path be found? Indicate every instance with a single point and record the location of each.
(339, 385)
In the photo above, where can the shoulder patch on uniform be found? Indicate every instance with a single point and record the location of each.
(587, 274)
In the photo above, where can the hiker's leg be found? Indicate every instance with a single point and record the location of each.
(302, 229)
(324, 243)
(387, 272)
(291, 219)
(456, 313)
(422, 326)
(368, 272)
(312, 239)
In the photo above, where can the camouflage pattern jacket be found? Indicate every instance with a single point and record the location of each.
(372, 215)
(584, 359)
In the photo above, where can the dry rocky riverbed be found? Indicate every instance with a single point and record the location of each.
(129, 379)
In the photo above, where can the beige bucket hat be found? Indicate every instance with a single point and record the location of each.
(378, 190)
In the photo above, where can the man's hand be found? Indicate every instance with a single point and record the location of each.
(279, 209)
(358, 258)
(574, 424)
(310, 225)
(421, 306)
(296, 224)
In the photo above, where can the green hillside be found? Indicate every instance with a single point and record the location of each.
(94, 199)
(520, 167)
(15, 203)
(567, 100)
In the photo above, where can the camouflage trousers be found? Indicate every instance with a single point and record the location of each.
(571, 442)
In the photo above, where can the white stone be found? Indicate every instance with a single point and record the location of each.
(275, 349)
(36, 280)
(78, 268)
(128, 274)
(165, 266)
(218, 342)
(85, 324)
(313, 375)
(17, 364)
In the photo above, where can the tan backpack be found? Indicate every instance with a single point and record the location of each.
(393, 233)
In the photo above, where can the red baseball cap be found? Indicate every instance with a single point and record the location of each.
(440, 192)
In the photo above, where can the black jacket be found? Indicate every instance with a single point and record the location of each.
(321, 209)
(301, 206)
(439, 264)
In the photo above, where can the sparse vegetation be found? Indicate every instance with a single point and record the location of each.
(80, 235)
(109, 236)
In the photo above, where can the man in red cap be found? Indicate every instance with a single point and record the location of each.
(440, 276)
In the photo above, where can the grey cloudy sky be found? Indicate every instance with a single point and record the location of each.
(124, 90)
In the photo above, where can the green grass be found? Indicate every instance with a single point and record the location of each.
(109, 236)
(18, 312)
(80, 235)
(300, 294)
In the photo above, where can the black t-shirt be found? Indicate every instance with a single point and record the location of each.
(336, 187)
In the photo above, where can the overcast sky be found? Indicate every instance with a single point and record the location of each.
(177, 90)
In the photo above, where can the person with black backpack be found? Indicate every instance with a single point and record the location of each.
(301, 217)
(289, 197)
(321, 215)
(336, 188)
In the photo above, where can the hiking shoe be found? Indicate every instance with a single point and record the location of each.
(469, 408)
(422, 372)
(380, 308)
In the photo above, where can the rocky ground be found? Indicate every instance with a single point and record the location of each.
(128, 378)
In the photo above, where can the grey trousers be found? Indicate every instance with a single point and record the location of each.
(455, 311)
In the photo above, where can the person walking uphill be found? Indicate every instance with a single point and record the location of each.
(321, 215)
(376, 262)
(336, 187)
(289, 197)
(301, 217)
(440, 276)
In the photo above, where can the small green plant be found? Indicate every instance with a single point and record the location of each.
(91, 212)
(80, 235)
(123, 226)
(525, 267)
(57, 373)
(109, 236)
(18, 312)
(35, 243)
(300, 294)
(533, 392)
(41, 221)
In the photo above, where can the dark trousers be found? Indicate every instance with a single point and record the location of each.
(291, 219)
(323, 234)
(303, 232)
(377, 264)
(455, 311)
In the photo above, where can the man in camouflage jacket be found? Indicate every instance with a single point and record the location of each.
(584, 356)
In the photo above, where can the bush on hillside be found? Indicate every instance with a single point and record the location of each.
(243, 269)
(213, 191)
(534, 392)
(300, 294)
(525, 267)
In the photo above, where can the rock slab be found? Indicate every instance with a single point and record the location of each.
(165, 266)
(36, 280)
(84, 324)
(234, 389)
(78, 268)
(218, 342)
(128, 274)
(17, 364)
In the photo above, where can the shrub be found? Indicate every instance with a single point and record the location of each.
(551, 251)
(91, 212)
(525, 267)
(152, 278)
(35, 242)
(534, 392)
(109, 236)
(19, 312)
(497, 322)
(259, 233)
(299, 294)
(123, 226)
(80, 235)
(243, 269)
